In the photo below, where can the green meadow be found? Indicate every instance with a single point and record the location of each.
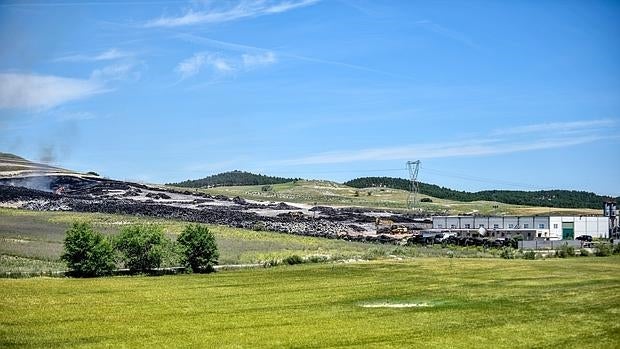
(32, 241)
(424, 303)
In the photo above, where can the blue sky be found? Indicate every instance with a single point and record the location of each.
(487, 94)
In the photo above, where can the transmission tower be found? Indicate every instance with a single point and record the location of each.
(413, 167)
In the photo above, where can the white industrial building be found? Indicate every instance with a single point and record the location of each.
(529, 227)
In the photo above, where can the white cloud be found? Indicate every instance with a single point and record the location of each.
(250, 61)
(31, 91)
(115, 72)
(108, 55)
(191, 66)
(222, 64)
(558, 135)
(556, 127)
(243, 9)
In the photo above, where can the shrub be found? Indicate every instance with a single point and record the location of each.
(565, 251)
(143, 247)
(584, 253)
(266, 188)
(259, 226)
(426, 200)
(603, 250)
(294, 259)
(616, 249)
(87, 252)
(529, 255)
(198, 248)
(507, 253)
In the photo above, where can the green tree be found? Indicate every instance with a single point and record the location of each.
(143, 247)
(198, 248)
(87, 252)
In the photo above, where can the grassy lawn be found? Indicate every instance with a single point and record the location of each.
(471, 303)
(331, 193)
(37, 239)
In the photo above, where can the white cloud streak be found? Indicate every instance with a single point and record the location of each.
(194, 64)
(191, 66)
(115, 72)
(254, 60)
(108, 55)
(222, 65)
(243, 9)
(556, 127)
(245, 48)
(448, 33)
(564, 135)
(31, 91)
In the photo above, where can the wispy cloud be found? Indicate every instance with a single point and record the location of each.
(506, 144)
(113, 72)
(248, 48)
(31, 91)
(191, 66)
(240, 10)
(253, 60)
(448, 33)
(107, 55)
(222, 64)
(556, 127)
(194, 64)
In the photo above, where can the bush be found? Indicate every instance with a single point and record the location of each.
(87, 252)
(426, 200)
(198, 248)
(507, 253)
(294, 259)
(266, 188)
(616, 249)
(603, 250)
(566, 251)
(529, 255)
(259, 226)
(584, 253)
(143, 247)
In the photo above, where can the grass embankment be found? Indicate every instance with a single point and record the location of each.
(331, 193)
(490, 303)
(36, 238)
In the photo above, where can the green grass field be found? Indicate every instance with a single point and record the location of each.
(331, 193)
(471, 303)
(32, 241)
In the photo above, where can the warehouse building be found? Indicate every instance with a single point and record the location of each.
(529, 227)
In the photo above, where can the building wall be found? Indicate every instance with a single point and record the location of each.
(593, 226)
(544, 227)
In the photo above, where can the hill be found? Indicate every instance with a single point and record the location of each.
(232, 178)
(13, 165)
(543, 198)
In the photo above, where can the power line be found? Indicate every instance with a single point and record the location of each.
(481, 179)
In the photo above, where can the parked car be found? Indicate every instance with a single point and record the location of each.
(584, 238)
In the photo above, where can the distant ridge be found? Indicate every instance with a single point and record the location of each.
(544, 198)
(233, 178)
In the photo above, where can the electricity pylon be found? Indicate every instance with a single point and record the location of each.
(413, 167)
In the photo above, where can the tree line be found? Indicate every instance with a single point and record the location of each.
(139, 248)
(233, 178)
(544, 198)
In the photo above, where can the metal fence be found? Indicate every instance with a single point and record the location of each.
(549, 245)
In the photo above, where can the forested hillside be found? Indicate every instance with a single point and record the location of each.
(545, 198)
(232, 178)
